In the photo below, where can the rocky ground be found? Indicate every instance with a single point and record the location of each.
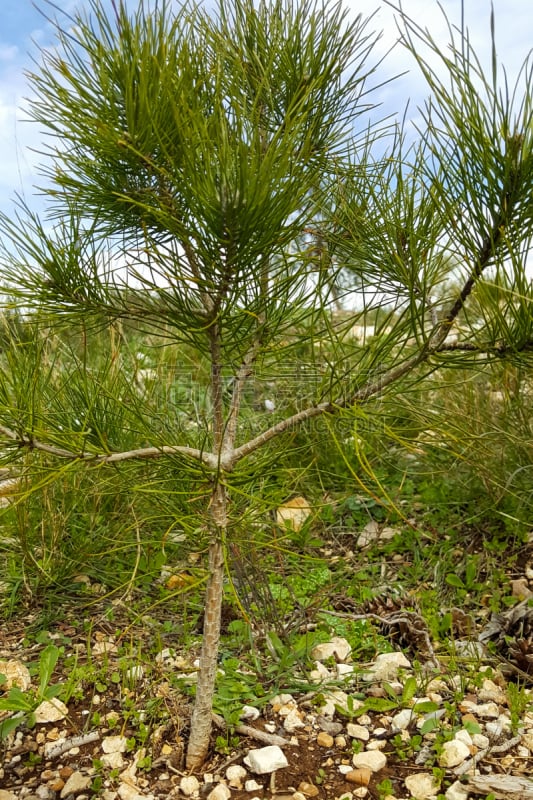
(394, 729)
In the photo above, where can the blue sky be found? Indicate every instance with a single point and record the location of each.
(23, 29)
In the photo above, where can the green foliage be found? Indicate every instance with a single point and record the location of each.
(25, 702)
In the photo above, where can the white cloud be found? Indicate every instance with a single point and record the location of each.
(8, 52)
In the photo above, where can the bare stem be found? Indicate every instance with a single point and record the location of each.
(201, 720)
(29, 442)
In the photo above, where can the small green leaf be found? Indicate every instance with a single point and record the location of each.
(471, 726)
(409, 689)
(390, 691)
(429, 725)
(454, 580)
(425, 707)
(17, 700)
(8, 725)
(47, 663)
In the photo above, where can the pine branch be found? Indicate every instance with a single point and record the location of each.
(30, 443)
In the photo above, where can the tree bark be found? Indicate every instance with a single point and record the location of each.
(201, 720)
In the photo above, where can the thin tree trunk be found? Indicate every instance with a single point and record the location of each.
(201, 721)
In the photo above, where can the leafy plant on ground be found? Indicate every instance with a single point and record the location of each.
(24, 702)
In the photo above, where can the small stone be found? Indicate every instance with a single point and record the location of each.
(235, 775)
(340, 742)
(65, 772)
(320, 673)
(189, 785)
(387, 667)
(361, 791)
(344, 669)
(103, 648)
(338, 698)
(453, 753)
(527, 740)
(358, 732)
(491, 691)
(328, 725)
(457, 791)
(401, 720)
(266, 759)
(483, 710)
(128, 792)
(374, 760)
(113, 760)
(76, 784)
(464, 736)
(293, 721)
(325, 739)
(422, 785)
(338, 648)
(369, 533)
(220, 792)
(114, 744)
(50, 711)
(4, 793)
(280, 700)
(252, 786)
(361, 776)
(520, 589)
(16, 674)
(43, 793)
(250, 713)
(308, 789)
(468, 648)
(481, 741)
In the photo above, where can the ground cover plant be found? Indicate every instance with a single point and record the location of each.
(209, 187)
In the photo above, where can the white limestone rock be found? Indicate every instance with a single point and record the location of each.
(490, 691)
(76, 783)
(16, 674)
(252, 786)
(235, 775)
(189, 785)
(220, 792)
(265, 760)
(387, 667)
(482, 710)
(374, 760)
(344, 669)
(422, 785)
(401, 720)
(356, 731)
(250, 713)
(457, 791)
(338, 648)
(463, 736)
(114, 744)
(453, 753)
(50, 711)
(293, 721)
